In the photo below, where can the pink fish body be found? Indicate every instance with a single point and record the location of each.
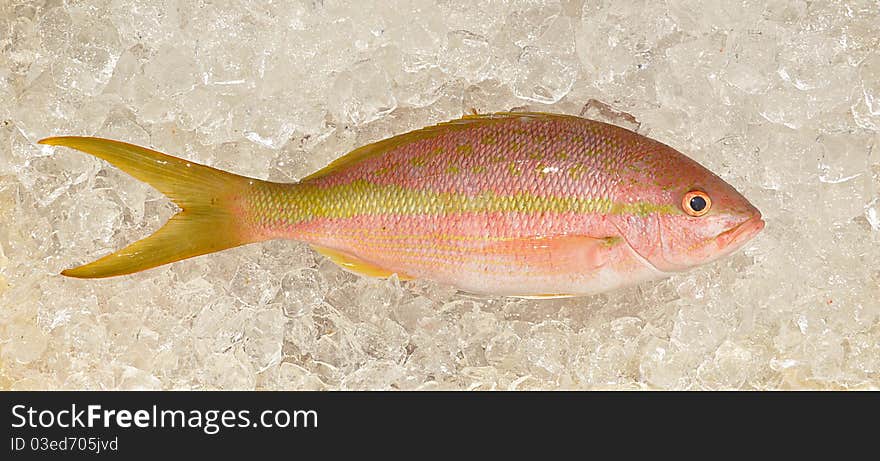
(516, 204)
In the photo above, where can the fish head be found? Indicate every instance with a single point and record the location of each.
(686, 215)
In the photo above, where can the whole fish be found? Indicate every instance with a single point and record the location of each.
(516, 204)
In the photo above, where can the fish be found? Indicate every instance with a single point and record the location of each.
(521, 204)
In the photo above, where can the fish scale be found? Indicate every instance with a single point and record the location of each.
(518, 204)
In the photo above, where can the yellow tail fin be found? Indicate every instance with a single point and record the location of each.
(209, 199)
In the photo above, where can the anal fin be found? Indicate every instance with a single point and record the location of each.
(356, 265)
(553, 296)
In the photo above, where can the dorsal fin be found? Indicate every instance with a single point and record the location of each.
(380, 147)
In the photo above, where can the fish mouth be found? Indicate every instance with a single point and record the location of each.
(736, 237)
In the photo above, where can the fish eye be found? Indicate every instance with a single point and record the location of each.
(696, 203)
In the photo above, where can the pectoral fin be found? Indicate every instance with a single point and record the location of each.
(575, 253)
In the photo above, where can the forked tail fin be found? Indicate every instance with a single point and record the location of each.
(211, 201)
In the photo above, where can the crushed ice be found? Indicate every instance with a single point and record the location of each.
(781, 98)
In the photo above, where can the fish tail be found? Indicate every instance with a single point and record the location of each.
(211, 203)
